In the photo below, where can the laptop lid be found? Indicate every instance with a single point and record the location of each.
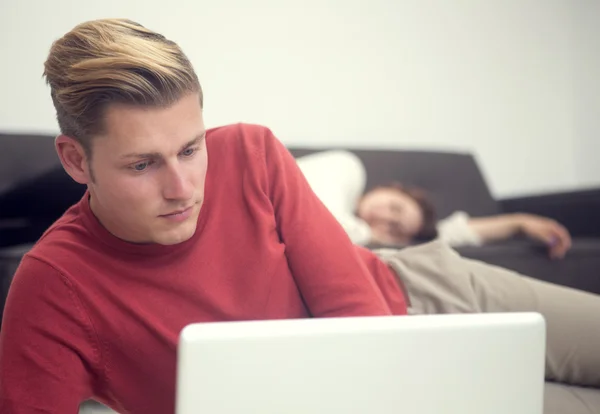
(451, 364)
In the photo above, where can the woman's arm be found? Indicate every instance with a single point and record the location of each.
(505, 226)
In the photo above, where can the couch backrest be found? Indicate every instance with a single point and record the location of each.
(453, 180)
(33, 183)
(24, 157)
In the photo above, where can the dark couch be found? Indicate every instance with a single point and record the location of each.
(35, 191)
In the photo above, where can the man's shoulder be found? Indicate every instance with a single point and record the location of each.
(240, 130)
(240, 147)
(63, 240)
(241, 135)
(53, 257)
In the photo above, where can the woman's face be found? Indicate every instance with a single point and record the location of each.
(394, 217)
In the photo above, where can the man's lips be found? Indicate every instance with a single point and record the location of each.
(177, 212)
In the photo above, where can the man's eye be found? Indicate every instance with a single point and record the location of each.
(141, 166)
(189, 151)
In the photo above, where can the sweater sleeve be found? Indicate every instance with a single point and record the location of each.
(456, 231)
(326, 266)
(46, 351)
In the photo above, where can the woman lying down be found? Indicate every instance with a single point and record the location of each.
(394, 214)
(436, 279)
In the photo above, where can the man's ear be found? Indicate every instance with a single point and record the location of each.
(73, 158)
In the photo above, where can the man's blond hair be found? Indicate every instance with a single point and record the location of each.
(108, 61)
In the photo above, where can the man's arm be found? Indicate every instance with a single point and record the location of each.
(332, 278)
(46, 353)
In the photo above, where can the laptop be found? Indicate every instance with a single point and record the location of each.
(450, 364)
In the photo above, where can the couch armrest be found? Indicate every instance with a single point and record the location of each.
(578, 211)
(579, 269)
(9, 261)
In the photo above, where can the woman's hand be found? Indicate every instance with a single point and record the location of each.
(504, 226)
(550, 232)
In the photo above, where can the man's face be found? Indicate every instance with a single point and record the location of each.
(149, 170)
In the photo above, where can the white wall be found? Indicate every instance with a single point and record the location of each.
(494, 77)
(587, 90)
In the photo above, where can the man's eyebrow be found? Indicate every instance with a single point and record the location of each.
(195, 141)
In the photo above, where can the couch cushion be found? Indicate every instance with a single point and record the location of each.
(579, 269)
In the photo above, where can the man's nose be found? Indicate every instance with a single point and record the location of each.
(176, 183)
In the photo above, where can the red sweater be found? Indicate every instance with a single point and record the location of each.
(92, 316)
